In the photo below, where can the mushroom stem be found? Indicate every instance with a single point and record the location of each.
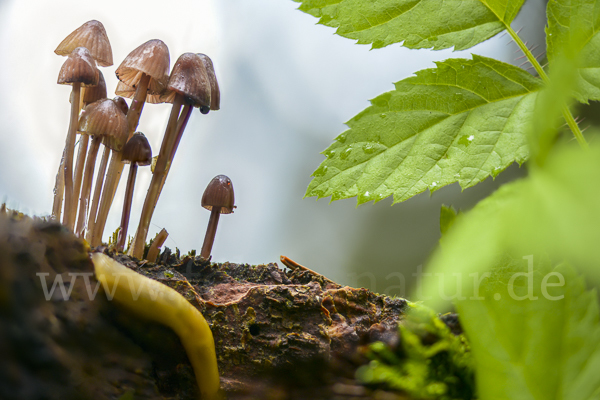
(211, 230)
(181, 124)
(137, 248)
(115, 168)
(127, 207)
(137, 104)
(59, 190)
(68, 218)
(86, 189)
(157, 243)
(97, 191)
(79, 166)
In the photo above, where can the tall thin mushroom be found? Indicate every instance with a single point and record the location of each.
(189, 85)
(120, 102)
(79, 69)
(137, 151)
(147, 70)
(215, 102)
(105, 121)
(93, 37)
(89, 95)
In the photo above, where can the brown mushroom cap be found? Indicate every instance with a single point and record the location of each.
(104, 118)
(137, 150)
(79, 67)
(92, 36)
(215, 93)
(91, 94)
(219, 193)
(190, 79)
(122, 104)
(151, 58)
(129, 92)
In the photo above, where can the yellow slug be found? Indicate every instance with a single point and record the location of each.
(157, 302)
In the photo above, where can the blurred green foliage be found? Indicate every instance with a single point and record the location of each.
(511, 266)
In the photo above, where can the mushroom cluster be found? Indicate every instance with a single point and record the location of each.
(144, 76)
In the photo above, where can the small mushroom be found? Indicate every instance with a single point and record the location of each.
(147, 70)
(136, 152)
(106, 123)
(188, 87)
(93, 37)
(218, 198)
(78, 70)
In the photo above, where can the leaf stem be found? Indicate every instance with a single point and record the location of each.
(565, 109)
(532, 60)
(574, 127)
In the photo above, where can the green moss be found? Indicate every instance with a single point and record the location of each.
(429, 362)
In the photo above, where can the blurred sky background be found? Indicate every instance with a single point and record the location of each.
(287, 86)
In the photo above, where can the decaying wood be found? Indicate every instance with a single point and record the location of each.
(280, 333)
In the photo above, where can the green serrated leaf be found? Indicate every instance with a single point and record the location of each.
(460, 122)
(574, 29)
(537, 339)
(437, 24)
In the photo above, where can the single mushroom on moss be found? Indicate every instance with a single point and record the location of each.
(105, 121)
(219, 199)
(79, 69)
(93, 37)
(137, 151)
(147, 70)
(188, 87)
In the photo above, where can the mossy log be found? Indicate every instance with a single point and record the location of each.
(279, 333)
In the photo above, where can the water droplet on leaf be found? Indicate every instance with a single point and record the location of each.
(368, 148)
(344, 154)
(322, 170)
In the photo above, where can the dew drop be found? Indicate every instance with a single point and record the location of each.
(368, 148)
(341, 138)
(344, 154)
(322, 170)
